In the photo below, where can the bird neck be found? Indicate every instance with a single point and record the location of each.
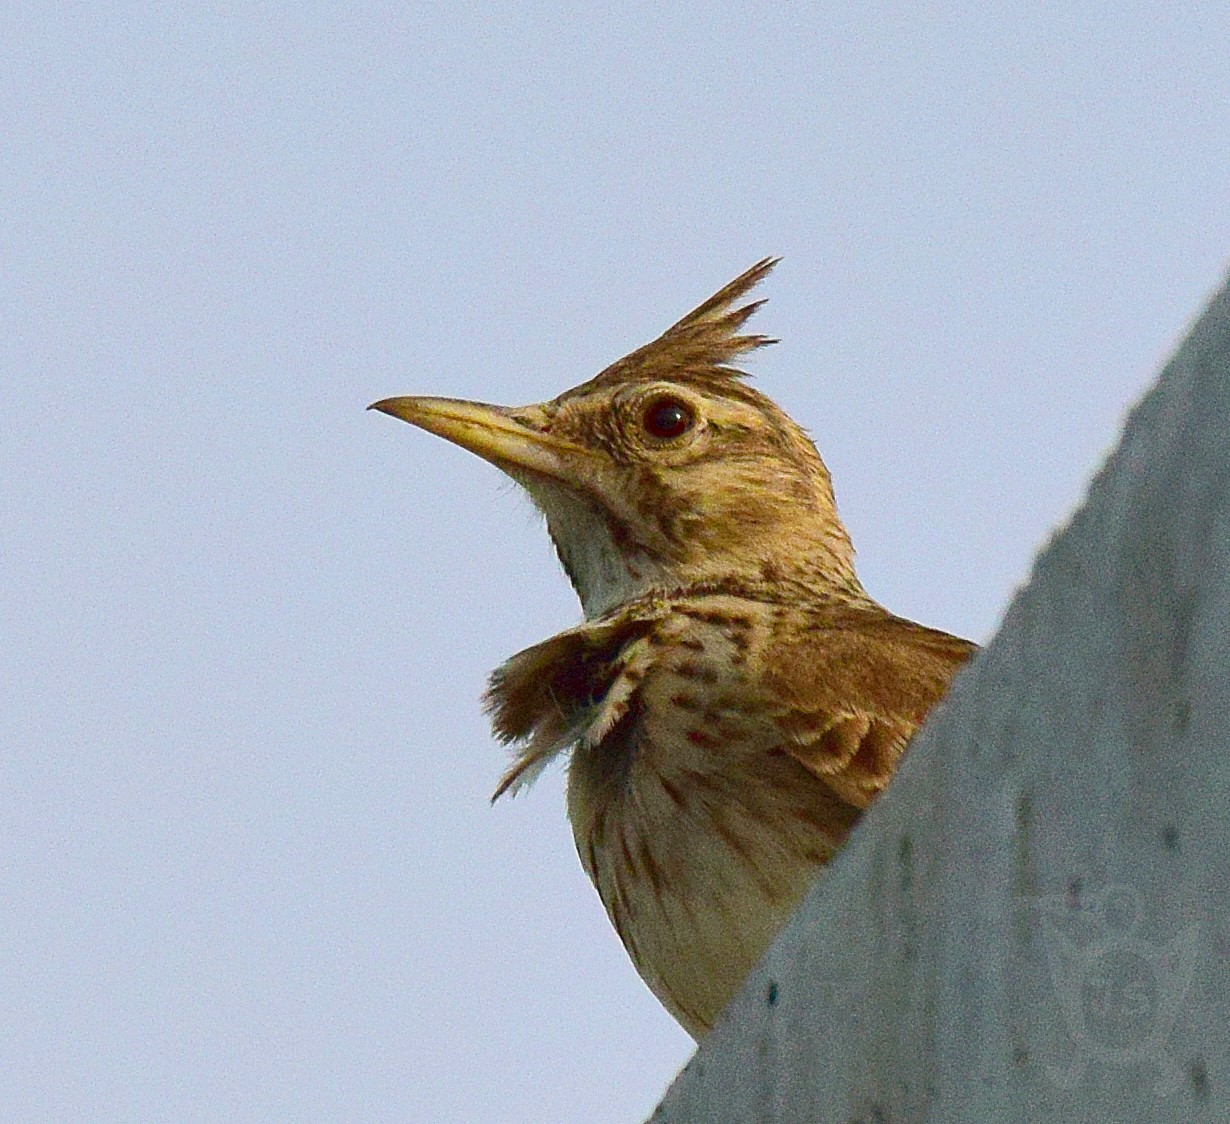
(605, 565)
(610, 564)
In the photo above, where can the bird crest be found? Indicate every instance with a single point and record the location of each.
(702, 346)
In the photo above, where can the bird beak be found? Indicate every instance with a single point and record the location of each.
(494, 433)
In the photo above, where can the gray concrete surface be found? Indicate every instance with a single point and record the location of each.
(1034, 922)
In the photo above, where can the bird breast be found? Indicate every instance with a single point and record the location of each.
(698, 831)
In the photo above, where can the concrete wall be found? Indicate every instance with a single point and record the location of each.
(1034, 923)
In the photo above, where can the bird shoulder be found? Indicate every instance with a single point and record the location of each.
(849, 687)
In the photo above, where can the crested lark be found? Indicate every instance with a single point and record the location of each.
(734, 699)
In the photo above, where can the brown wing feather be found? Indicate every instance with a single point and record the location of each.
(537, 696)
(850, 692)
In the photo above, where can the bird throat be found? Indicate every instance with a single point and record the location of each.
(603, 562)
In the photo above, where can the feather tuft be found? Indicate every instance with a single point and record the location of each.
(703, 345)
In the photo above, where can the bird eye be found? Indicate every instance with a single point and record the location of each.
(667, 418)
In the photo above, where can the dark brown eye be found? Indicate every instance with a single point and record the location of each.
(668, 417)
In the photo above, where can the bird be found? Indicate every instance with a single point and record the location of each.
(734, 699)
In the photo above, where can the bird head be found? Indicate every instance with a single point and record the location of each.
(667, 469)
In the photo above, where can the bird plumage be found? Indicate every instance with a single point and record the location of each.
(734, 699)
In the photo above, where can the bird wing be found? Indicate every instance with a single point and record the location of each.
(849, 689)
(542, 696)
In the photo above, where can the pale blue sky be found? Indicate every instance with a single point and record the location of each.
(250, 871)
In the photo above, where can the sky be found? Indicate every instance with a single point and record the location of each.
(250, 868)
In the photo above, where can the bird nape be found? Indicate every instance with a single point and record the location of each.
(734, 699)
